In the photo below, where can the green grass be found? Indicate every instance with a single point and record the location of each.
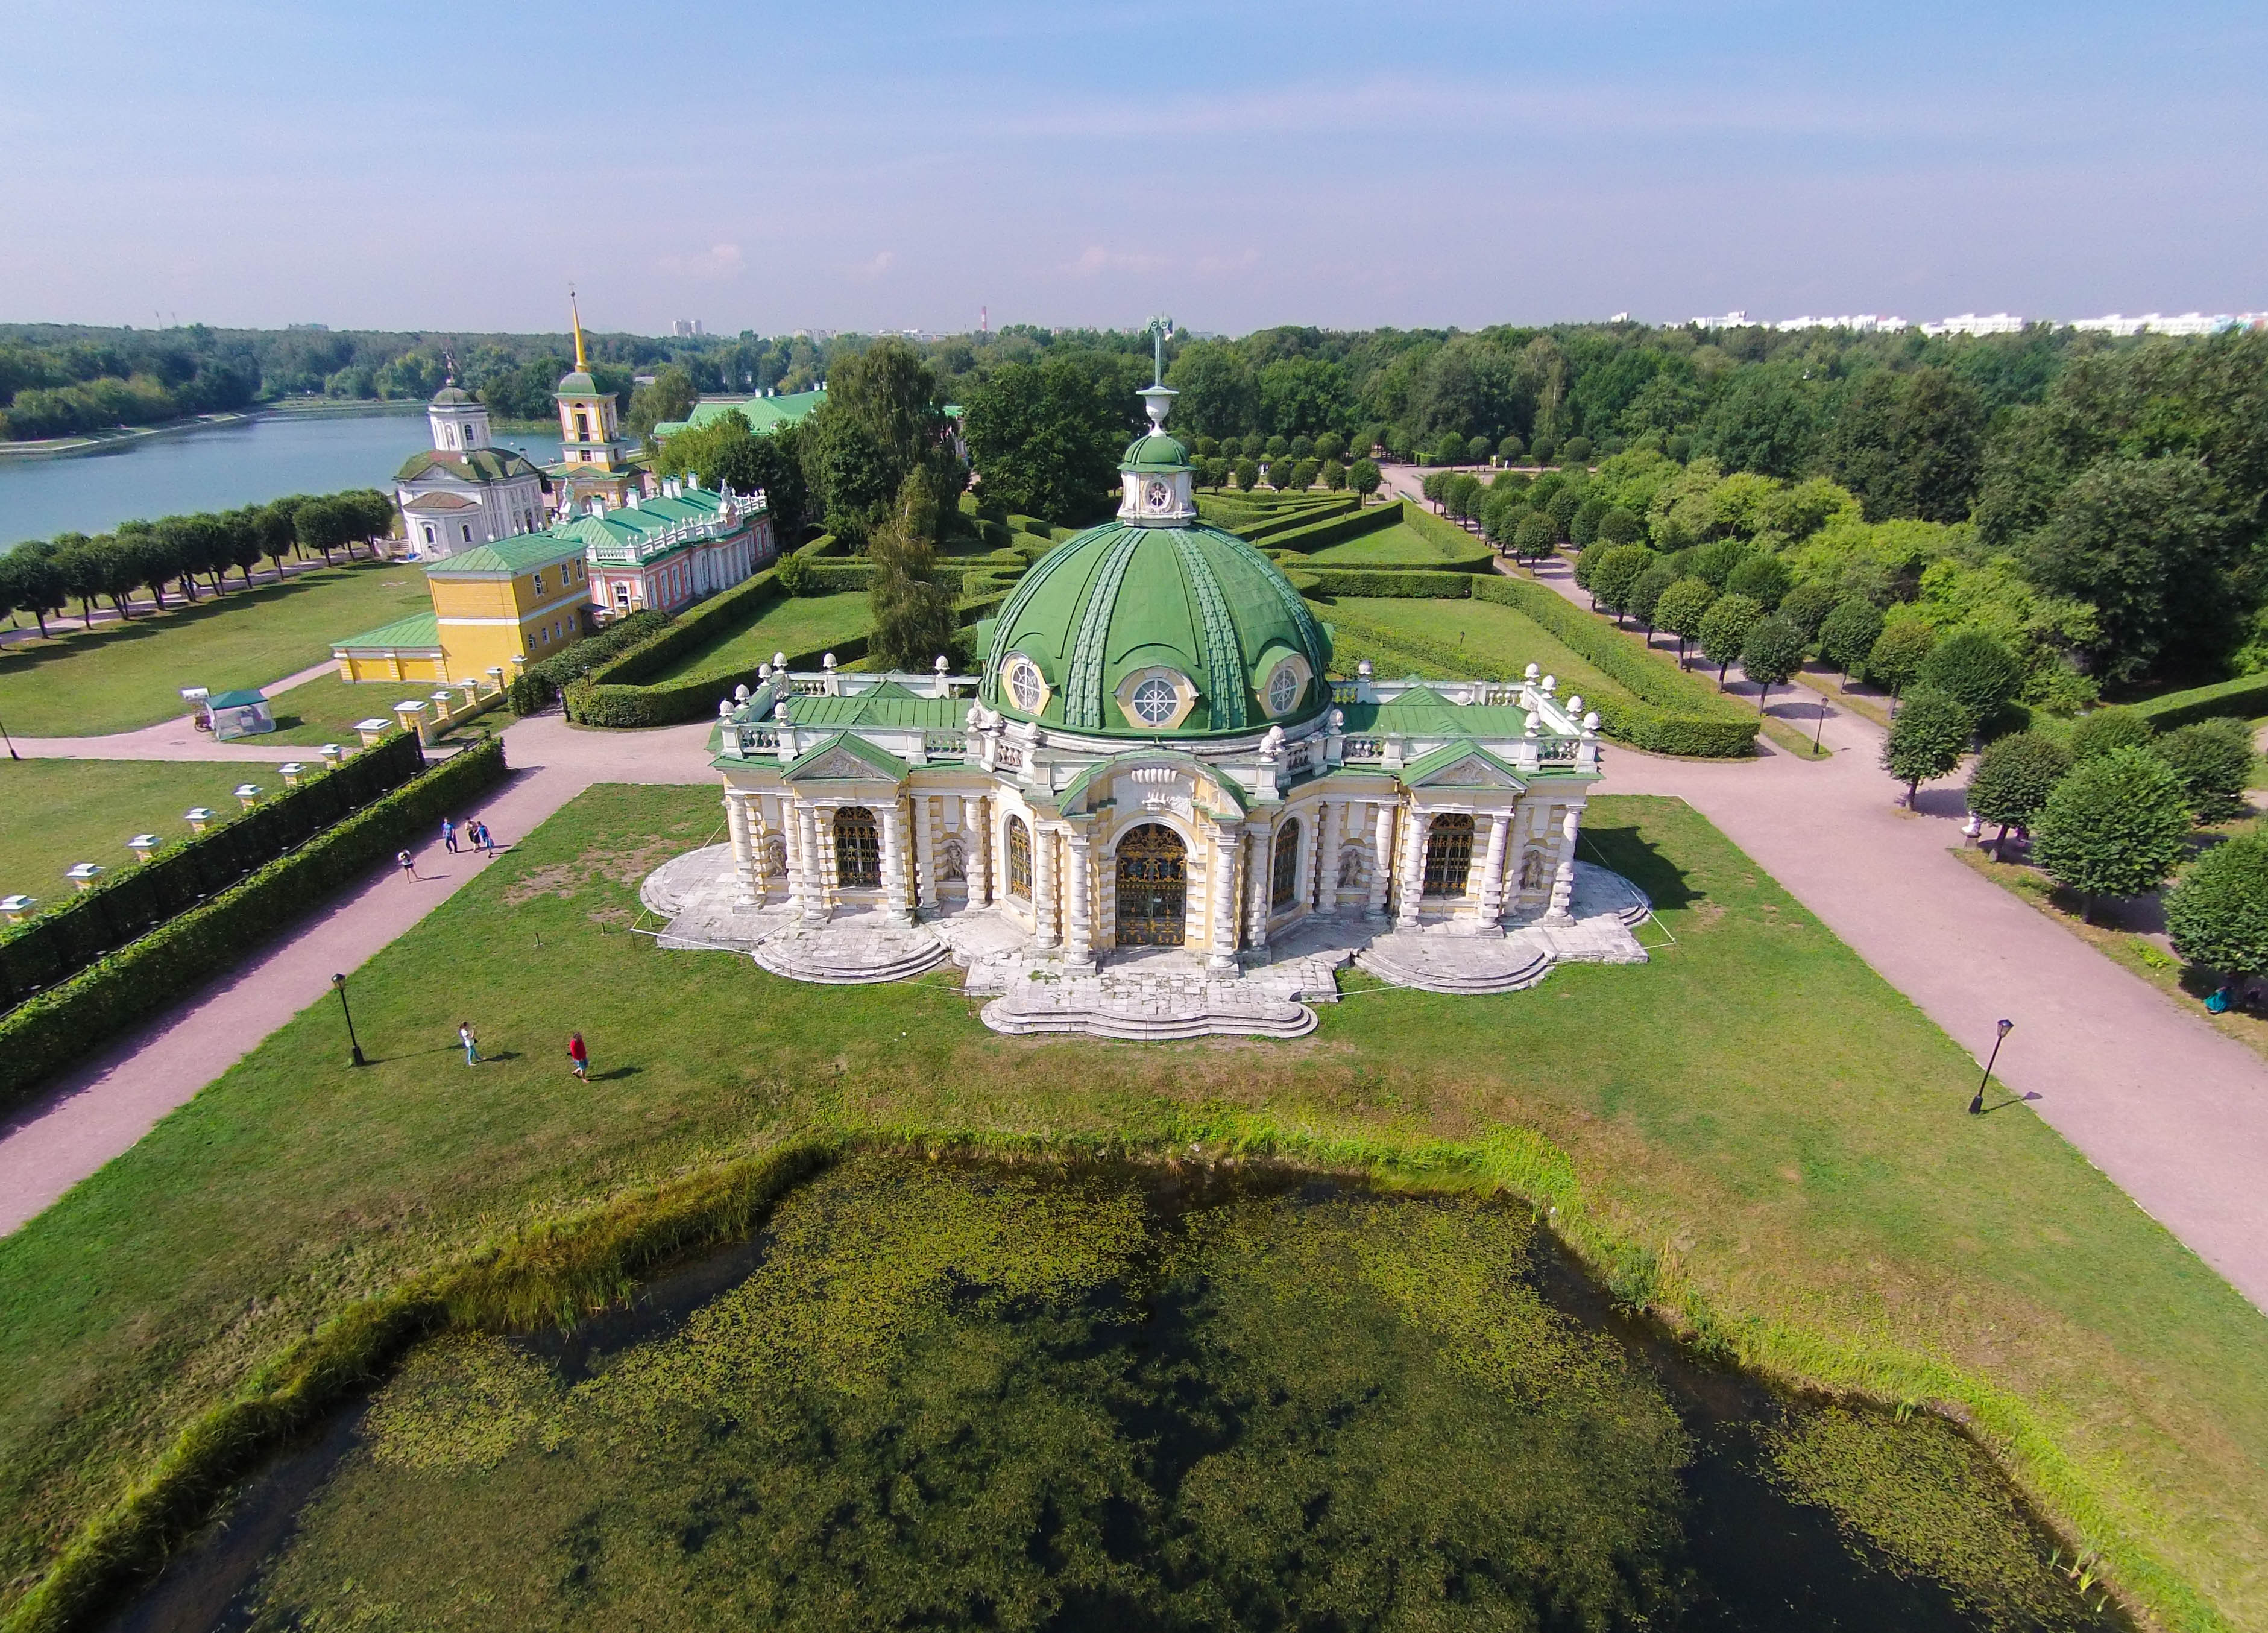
(798, 624)
(1774, 1138)
(118, 677)
(328, 709)
(53, 812)
(1493, 642)
(1400, 545)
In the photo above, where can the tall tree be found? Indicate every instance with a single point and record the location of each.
(2116, 827)
(1046, 440)
(2013, 780)
(2217, 912)
(914, 621)
(1927, 740)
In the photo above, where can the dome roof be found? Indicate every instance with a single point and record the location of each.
(1117, 607)
(452, 396)
(577, 384)
(1154, 450)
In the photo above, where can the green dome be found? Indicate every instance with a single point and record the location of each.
(452, 396)
(577, 384)
(1106, 614)
(1155, 451)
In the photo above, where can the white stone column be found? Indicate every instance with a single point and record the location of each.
(744, 860)
(1492, 871)
(1259, 886)
(1563, 881)
(982, 849)
(1381, 860)
(924, 855)
(1414, 831)
(792, 830)
(1222, 899)
(811, 868)
(1323, 895)
(1079, 896)
(893, 865)
(1043, 888)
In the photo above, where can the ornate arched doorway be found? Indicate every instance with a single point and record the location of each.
(1153, 890)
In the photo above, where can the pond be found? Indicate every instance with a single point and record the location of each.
(950, 1395)
(247, 462)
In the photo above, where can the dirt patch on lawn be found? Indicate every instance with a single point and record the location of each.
(563, 880)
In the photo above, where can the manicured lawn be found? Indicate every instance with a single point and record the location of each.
(1762, 1120)
(1400, 545)
(328, 709)
(798, 624)
(1492, 643)
(117, 676)
(53, 812)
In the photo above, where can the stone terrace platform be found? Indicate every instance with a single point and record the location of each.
(1146, 994)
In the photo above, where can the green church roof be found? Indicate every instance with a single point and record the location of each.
(578, 384)
(764, 414)
(480, 465)
(1195, 600)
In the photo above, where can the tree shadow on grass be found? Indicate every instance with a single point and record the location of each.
(1628, 854)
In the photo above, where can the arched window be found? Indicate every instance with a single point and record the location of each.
(1448, 853)
(1284, 886)
(1020, 858)
(858, 849)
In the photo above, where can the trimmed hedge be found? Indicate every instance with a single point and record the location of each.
(1291, 519)
(1468, 551)
(65, 940)
(673, 702)
(1423, 583)
(1662, 715)
(539, 684)
(40, 1037)
(712, 619)
(1338, 529)
(2245, 698)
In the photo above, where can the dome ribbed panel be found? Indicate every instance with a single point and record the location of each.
(1224, 661)
(1311, 634)
(1084, 683)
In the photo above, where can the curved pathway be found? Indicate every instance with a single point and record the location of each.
(98, 1110)
(176, 739)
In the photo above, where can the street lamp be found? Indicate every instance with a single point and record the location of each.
(11, 741)
(339, 985)
(1976, 1106)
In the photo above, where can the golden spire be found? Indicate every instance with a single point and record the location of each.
(581, 367)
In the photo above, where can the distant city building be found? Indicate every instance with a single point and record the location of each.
(2158, 324)
(465, 493)
(1731, 320)
(1857, 323)
(687, 326)
(1970, 323)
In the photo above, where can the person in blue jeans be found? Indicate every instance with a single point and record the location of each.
(448, 836)
(472, 1042)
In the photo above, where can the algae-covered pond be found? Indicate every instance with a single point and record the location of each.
(938, 1395)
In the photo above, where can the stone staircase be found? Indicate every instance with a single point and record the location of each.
(850, 952)
(1146, 1009)
(1455, 964)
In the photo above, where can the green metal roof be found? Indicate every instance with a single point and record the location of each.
(888, 705)
(1155, 452)
(233, 699)
(480, 465)
(419, 631)
(521, 553)
(578, 384)
(764, 414)
(1424, 712)
(1116, 599)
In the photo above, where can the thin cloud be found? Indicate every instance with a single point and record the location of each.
(718, 261)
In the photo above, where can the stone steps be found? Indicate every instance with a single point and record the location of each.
(1103, 1019)
(829, 961)
(1519, 967)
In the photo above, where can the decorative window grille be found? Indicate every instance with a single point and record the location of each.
(1285, 885)
(1020, 858)
(1448, 853)
(858, 849)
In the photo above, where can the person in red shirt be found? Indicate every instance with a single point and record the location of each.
(580, 1055)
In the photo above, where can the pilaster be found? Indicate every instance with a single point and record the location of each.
(744, 861)
(893, 865)
(924, 855)
(813, 871)
(1562, 879)
(1414, 831)
(1382, 859)
(1259, 885)
(1079, 939)
(1222, 904)
(1492, 870)
(1045, 933)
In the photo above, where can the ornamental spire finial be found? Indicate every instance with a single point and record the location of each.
(576, 318)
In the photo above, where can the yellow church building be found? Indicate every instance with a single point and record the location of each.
(504, 605)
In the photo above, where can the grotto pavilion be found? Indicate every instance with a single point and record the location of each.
(1154, 812)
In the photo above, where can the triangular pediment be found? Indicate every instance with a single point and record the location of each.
(1460, 765)
(844, 757)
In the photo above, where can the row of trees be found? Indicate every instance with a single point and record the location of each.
(41, 577)
(1290, 476)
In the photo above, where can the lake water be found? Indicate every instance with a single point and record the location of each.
(952, 1397)
(217, 469)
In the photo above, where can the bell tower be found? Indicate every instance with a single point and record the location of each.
(588, 431)
(1160, 491)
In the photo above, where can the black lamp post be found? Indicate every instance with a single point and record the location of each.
(339, 985)
(1976, 1106)
(11, 741)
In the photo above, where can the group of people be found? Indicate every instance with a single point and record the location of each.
(475, 833)
(579, 1053)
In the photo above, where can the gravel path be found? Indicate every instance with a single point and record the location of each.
(99, 1110)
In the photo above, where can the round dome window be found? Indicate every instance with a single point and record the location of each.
(1155, 701)
(1028, 688)
(1283, 687)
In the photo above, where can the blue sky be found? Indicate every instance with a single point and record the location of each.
(408, 165)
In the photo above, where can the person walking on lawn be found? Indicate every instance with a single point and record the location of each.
(472, 1042)
(580, 1055)
(448, 836)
